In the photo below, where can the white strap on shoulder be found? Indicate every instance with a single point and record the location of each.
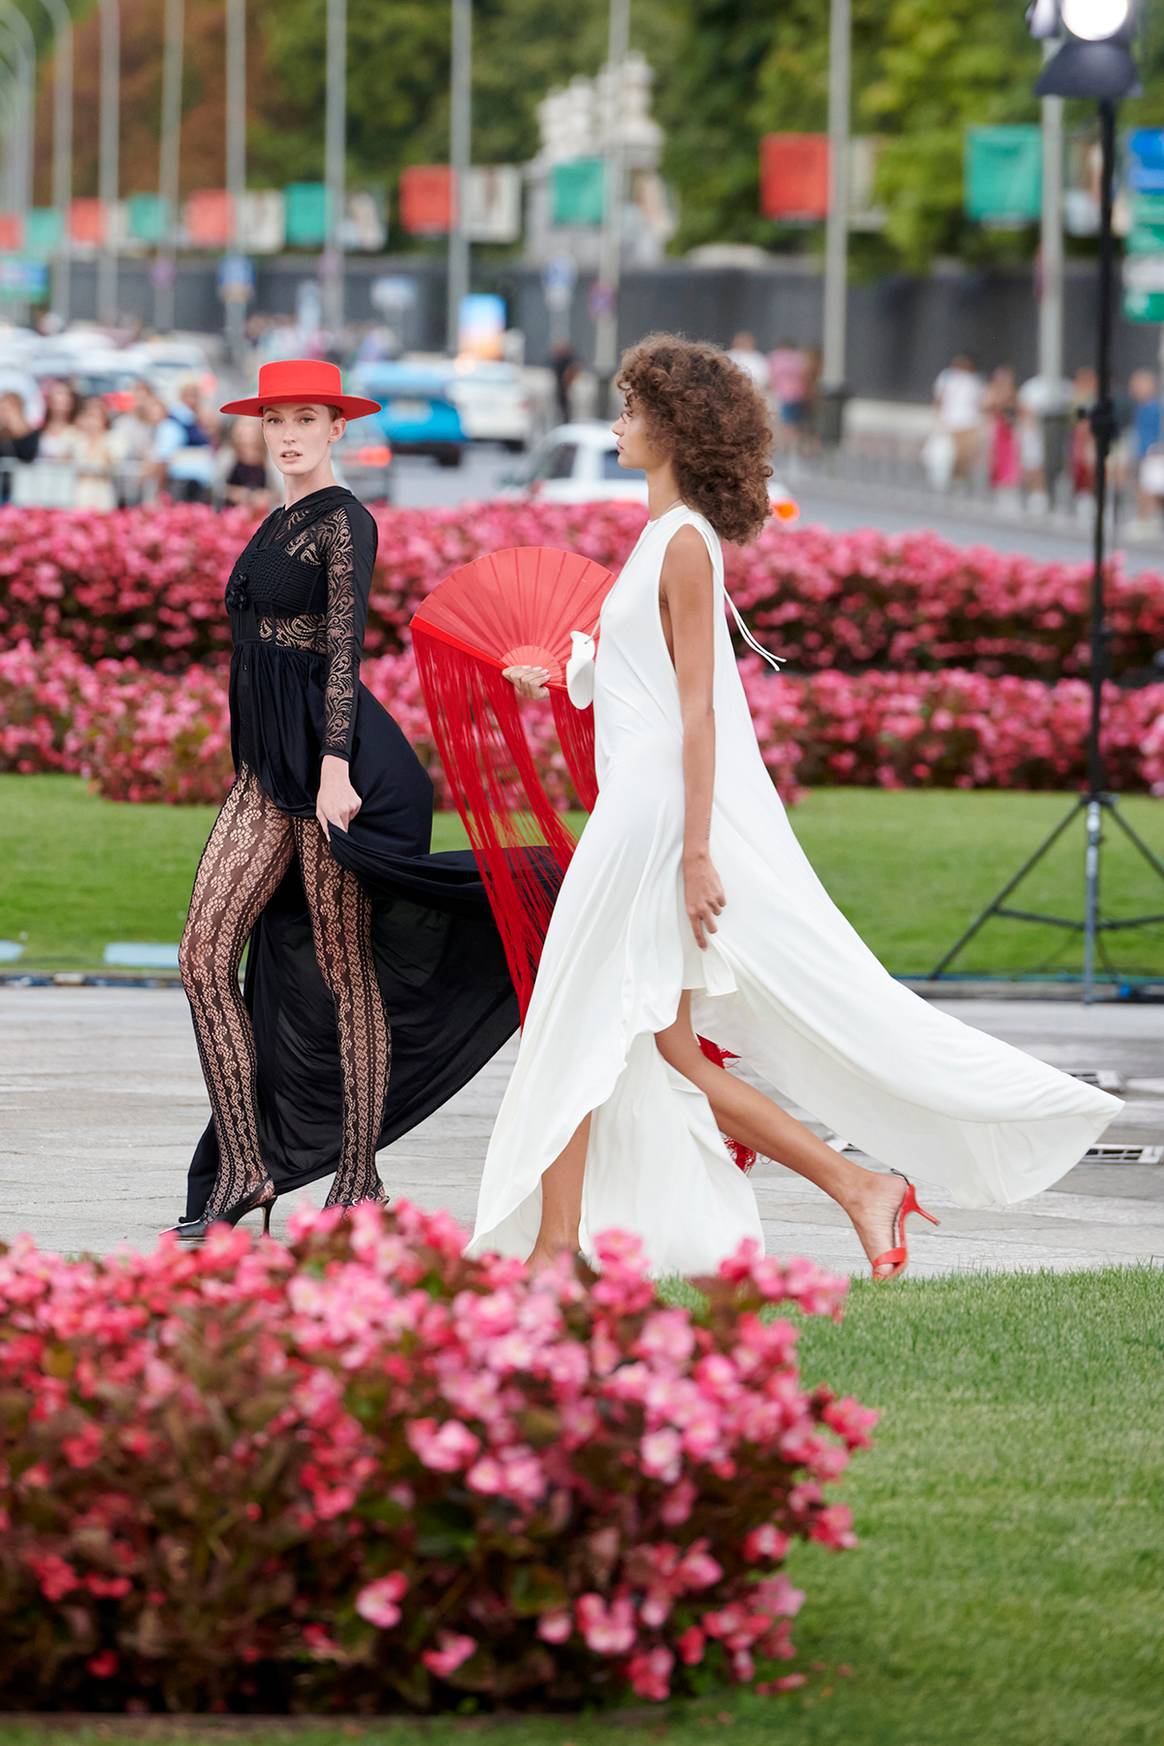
(774, 661)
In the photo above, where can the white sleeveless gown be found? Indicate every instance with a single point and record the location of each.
(786, 983)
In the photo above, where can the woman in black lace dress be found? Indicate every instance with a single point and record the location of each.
(376, 983)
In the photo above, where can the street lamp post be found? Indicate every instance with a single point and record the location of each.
(335, 147)
(108, 171)
(836, 269)
(21, 51)
(19, 29)
(169, 155)
(62, 23)
(610, 250)
(236, 163)
(15, 119)
(460, 155)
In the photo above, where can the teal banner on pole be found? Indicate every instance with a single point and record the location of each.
(148, 218)
(43, 229)
(305, 214)
(578, 191)
(1003, 174)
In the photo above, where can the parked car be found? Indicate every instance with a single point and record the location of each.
(97, 371)
(418, 416)
(363, 462)
(495, 403)
(578, 463)
(167, 361)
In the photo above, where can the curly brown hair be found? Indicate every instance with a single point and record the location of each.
(712, 421)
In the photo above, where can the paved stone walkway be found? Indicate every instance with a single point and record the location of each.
(102, 1101)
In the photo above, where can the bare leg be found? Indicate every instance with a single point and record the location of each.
(868, 1196)
(562, 1198)
(246, 855)
(341, 922)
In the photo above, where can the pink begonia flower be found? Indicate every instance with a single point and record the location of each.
(486, 1476)
(677, 1506)
(56, 1575)
(691, 1645)
(777, 1596)
(321, 1643)
(667, 1336)
(608, 1630)
(766, 1542)
(661, 1454)
(555, 1627)
(85, 1448)
(834, 1527)
(698, 1569)
(444, 1448)
(103, 1665)
(650, 1673)
(852, 1421)
(377, 1601)
(453, 1650)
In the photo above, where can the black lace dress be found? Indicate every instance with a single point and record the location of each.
(298, 601)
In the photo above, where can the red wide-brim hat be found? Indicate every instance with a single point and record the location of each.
(301, 382)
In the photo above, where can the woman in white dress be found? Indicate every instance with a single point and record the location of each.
(689, 907)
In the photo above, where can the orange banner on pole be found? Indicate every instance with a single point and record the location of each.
(11, 231)
(87, 221)
(426, 199)
(794, 176)
(208, 218)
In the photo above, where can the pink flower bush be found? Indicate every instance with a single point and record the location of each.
(148, 584)
(142, 735)
(361, 1471)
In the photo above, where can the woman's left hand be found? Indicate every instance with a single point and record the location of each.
(337, 801)
(704, 894)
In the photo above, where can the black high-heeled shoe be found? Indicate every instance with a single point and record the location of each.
(264, 1195)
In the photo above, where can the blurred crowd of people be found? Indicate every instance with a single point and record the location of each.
(82, 455)
(790, 377)
(1033, 442)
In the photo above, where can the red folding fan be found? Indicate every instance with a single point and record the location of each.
(513, 608)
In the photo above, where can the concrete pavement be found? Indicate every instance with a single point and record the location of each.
(102, 1102)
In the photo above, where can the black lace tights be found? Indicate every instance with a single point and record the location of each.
(247, 853)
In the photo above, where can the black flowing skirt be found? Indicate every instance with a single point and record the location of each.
(447, 992)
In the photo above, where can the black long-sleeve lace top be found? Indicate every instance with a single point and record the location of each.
(298, 600)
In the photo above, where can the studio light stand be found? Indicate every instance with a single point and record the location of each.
(1100, 67)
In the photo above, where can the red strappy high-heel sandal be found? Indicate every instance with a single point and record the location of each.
(897, 1257)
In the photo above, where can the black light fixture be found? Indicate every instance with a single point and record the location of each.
(1094, 59)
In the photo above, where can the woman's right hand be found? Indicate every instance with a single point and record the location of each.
(528, 682)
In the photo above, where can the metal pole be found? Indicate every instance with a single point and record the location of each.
(20, 30)
(236, 159)
(1051, 239)
(9, 123)
(169, 156)
(610, 253)
(1103, 426)
(460, 156)
(13, 63)
(335, 146)
(62, 22)
(108, 171)
(837, 224)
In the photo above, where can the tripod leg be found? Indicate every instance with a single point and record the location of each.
(997, 901)
(1133, 836)
(1091, 892)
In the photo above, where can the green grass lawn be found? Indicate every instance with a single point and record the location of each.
(910, 868)
(1006, 1589)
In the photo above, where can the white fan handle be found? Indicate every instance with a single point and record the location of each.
(580, 670)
